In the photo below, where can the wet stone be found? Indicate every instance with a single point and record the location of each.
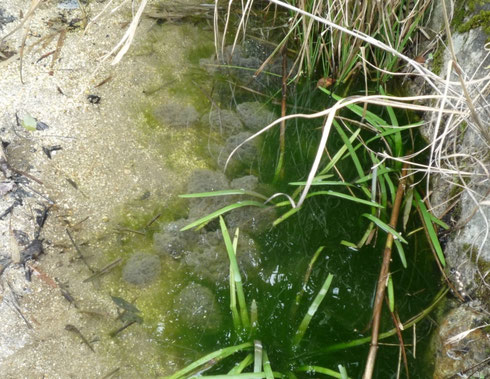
(206, 181)
(243, 157)
(141, 268)
(223, 121)
(247, 182)
(197, 308)
(170, 240)
(255, 115)
(209, 260)
(176, 115)
(251, 220)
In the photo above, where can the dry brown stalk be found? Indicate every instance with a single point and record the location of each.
(383, 276)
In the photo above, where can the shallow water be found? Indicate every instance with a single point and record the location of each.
(185, 327)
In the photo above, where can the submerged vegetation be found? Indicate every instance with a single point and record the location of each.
(366, 153)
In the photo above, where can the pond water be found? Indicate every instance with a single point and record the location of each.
(178, 281)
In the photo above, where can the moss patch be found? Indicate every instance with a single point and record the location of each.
(481, 19)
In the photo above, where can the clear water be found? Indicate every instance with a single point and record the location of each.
(286, 251)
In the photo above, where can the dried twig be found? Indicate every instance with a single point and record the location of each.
(383, 276)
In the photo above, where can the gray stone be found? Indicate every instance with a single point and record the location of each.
(242, 158)
(206, 181)
(176, 115)
(247, 182)
(209, 261)
(197, 308)
(141, 268)
(255, 115)
(170, 240)
(460, 355)
(251, 219)
(223, 121)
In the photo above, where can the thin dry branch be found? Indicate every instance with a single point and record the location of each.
(383, 277)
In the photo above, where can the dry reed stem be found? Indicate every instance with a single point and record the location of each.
(383, 276)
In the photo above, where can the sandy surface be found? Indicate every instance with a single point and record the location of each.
(103, 162)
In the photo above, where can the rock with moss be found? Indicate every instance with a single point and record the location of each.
(141, 268)
(255, 115)
(176, 115)
(209, 261)
(171, 241)
(243, 158)
(197, 308)
(223, 121)
(247, 183)
(204, 180)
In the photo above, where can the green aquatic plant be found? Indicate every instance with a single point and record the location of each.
(244, 329)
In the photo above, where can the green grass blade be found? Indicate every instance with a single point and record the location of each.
(267, 366)
(401, 253)
(233, 306)
(366, 235)
(204, 220)
(397, 137)
(439, 222)
(320, 370)
(285, 216)
(345, 196)
(312, 310)
(242, 365)
(257, 356)
(247, 375)
(408, 207)
(350, 148)
(391, 186)
(236, 274)
(338, 155)
(323, 183)
(343, 372)
(223, 193)
(348, 244)
(215, 355)
(391, 294)
(427, 220)
(385, 227)
(306, 278)
(381, 171)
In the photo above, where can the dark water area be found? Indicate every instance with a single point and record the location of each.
(345, 313)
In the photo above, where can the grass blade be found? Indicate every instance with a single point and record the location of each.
(247, 375)
(320, 370)
(204, 220)
(343, 372)
(242, 365)
(339, 154)
(222, 193)
(236, 274)
(267, 366)
(391, 294)
(385, 227)
(257, 356)
(427, 220)
(350, 148)
(401, 253)
(215, 355)
(312, 310)
(347, 197)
